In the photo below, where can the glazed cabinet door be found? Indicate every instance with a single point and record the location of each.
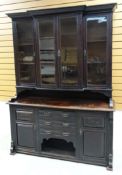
(47, 52)
(69, 50)
(97, 52)
(24, 52)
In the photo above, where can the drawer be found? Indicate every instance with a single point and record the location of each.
(54, 123)
(56, 133)
(68, 117)
(24, 115)
(57, 116)
(93, 121)
(57, 126)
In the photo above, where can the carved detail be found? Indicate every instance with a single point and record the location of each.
(12, 149)
(111, 118)
(111, 103)
(110, 163)
(110, 156)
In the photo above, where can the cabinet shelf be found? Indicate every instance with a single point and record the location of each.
(97, 62)
(47, 62)
(65, 34)
(26, 63)
(47, 50)
(26, 43)
(46, 37)
(94, 41)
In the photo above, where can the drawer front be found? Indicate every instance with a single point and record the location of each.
(95, 119)
(60, 127)
(55, 124)
(24, 115)
(57, 116)
(93, 122)
(56, 133)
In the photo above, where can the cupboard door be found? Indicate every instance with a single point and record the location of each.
(94, 143)
(68, 52)
(47, 51)
(25, 134)
(25, 52)
(97, 50)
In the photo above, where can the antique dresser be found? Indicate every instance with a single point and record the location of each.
(63, 108)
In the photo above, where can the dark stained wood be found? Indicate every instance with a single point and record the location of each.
(87, 9)
(109, 51)
(25, 135)
(100, 8)
(81, 128)
(108, 60)
(15, 42)
(81, 15)
(80, 46)
(16, 53)
(69, 122)
(78, 104)
(36, 52)
(94, 143)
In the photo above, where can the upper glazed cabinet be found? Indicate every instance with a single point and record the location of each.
(66, 48)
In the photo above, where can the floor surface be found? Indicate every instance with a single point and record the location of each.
(21, 164)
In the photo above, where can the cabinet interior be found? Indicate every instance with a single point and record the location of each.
(58, 146)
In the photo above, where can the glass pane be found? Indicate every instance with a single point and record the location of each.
(69, 61)
(48, 73)
(26, 73)
(96, 46)
(47, 51)
(47, 43)
(25, 32)
(25, 52)
(47, 55)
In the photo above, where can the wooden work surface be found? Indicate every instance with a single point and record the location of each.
(77, 104)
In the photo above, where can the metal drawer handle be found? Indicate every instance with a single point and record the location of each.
(65, 134)
(48, 132)
(44, 113)
(25, 112)
(34, 127)
(65, 124)
(47, 123)
(65, 115)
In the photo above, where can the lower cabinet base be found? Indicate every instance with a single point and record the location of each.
(72, 135)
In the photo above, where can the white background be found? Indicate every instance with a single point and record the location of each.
(21, 164)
